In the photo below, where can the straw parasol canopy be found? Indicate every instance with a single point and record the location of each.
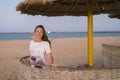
(68, 7)
(114, 16)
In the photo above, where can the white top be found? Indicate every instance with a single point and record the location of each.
(39, 49)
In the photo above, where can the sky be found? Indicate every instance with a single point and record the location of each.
(13, 21)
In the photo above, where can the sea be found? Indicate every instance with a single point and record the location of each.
(27, 35)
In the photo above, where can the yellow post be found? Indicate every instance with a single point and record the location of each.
(90, 35)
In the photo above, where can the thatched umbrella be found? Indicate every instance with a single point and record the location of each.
(67, 7)
(72, 8)
(114, 16)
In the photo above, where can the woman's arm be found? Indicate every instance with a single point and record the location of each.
(51, 61)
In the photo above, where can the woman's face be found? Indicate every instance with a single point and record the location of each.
(39, 33)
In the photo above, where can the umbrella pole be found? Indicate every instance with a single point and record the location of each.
(90, 35)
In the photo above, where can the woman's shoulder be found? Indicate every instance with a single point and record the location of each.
(43, 42)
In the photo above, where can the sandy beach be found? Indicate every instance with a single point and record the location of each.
(66, 52)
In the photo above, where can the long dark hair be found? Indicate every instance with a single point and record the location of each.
(44, 37)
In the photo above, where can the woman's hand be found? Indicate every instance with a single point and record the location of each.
(53, 65)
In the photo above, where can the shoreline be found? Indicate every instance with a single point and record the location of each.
(61, 38)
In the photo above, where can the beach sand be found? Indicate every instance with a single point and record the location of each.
(66, 52)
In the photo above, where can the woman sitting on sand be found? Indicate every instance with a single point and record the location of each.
(40, 47)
